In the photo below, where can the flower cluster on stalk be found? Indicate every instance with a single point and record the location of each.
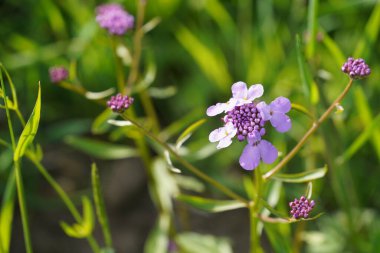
(356, 68)
(246, 119)
(119, 103)
(58, 74)
(114, 18)
(300, 208)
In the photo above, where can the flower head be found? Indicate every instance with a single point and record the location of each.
(119, 103)
(114, 18)
(300, 208)
(246, 120)
(356, 68)
(58, 74)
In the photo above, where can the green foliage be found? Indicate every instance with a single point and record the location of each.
(210, 205)
(193, 243)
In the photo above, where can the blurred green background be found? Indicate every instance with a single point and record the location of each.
(201, 47)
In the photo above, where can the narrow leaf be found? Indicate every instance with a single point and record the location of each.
(211, 205)
(309, 190)
(196, 243)
(100, 149)
(303, 176)
(100, 124)
(158, 240)
(162, 93)
(188, 132)
(99, 95)
(99, 205)
(6, 213)
(30, 130)
(302, 109)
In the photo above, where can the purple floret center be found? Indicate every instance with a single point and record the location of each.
(246, 119)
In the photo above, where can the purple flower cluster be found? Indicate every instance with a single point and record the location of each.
(356, 68)
(114, 18)
(119, 103)
(246, 120)
(58, 74)
(301, 208)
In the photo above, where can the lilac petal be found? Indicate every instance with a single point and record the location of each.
(255, 91)
(281, 122)
(215, 109)
(264, 110)
(281, 104)
(254, 137)
(268, 152)
(239, 90)
(250, 158)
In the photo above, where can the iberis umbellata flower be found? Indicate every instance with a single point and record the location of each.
(119, 103)
(114, 18)
(245, 119)
(356, 68)
(300, 208)
(58, 74)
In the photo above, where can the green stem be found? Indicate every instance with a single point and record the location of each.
(312, 129)
(23, 209)
(254, 211)
(133, 74)
(120, 77)
(185, 163)
(20, 187)
(65, 198)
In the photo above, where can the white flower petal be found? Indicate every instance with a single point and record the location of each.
(255, 91)
(217, 134)
(216, 109)
(225, 142)
(239, 90)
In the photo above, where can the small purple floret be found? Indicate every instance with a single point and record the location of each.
(356, 68)
(300, 208)
(119, 103)
(114, 18)
(58, 74)
(247, 120)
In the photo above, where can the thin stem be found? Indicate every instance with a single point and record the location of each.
(185, 163)
(65, 198)
(20, 187)
(120, 77)
(133, 74)
(23, 209)
(312, 129)
(254, 210)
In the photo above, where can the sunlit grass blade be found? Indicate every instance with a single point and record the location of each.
(302, 109)
(211, 205)
(368, 132)
(6, 213)
(312, 27)
(365, 115)
(100, 206)
(83, 229)
(334, 49)
(211, 61)
(30, 130)
(371, 33)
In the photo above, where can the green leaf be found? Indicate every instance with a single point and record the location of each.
(211, 205)
(100, 124)
(365, 116)
(210, 60)
(312, 26)
(302, 109)
(188, 132)
(302, 177)
(100, 149)
(368, 132)
(309, 190)
(99, 205)
(83, 229)
(189, 183)
(13, 89)
(165, 187)
(371, 33)
(162, 93)
(99, 95)
(158, 239)
(30, 130)
(273, 211)
(7, 212)
(334, 49)
(148, 77)
(196, 243)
